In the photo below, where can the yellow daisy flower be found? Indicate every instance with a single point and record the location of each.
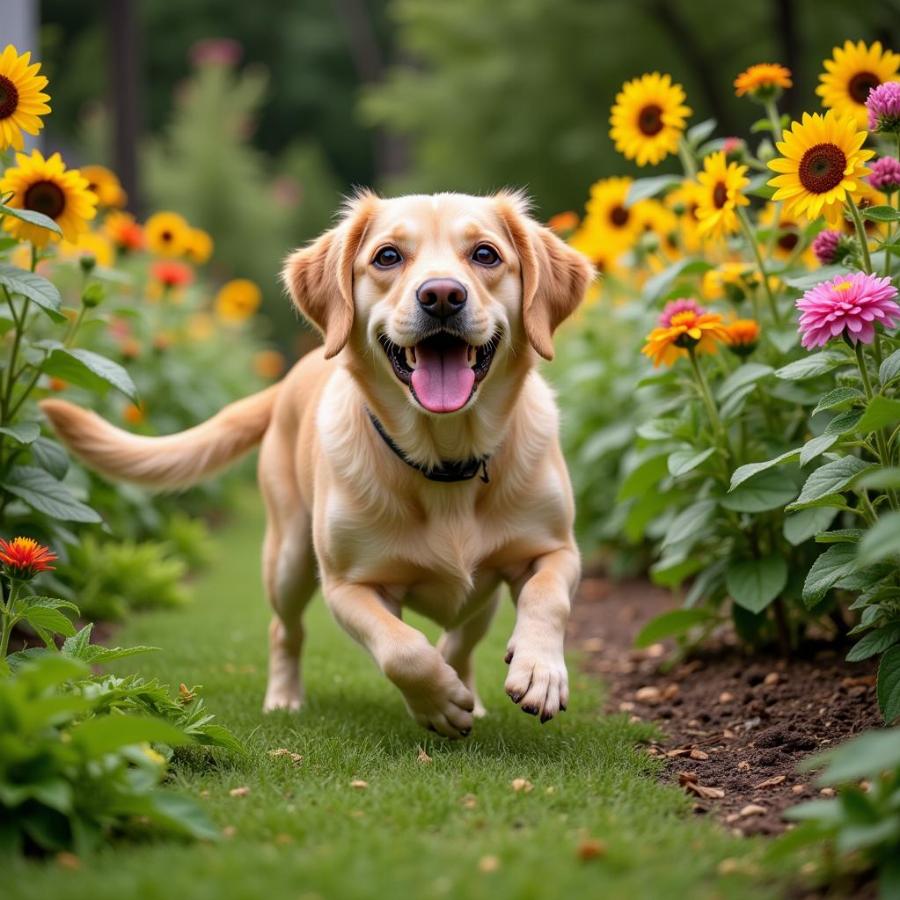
(722, 183)
(237, 300)
(821, 163)
(684, 201)
(199, 246)
(764, 81)
(699, 332)
(607, 212)
(46, 186)
(851, 73)
(106, 185)
(22, 100)
(648, 118)
(729, 280)
(594, 244)
(166, 233)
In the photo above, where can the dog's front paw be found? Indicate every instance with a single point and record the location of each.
(537, 680)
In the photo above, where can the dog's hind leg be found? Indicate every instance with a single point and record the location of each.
(458, 645)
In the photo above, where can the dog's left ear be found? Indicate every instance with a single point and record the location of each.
(554, 276)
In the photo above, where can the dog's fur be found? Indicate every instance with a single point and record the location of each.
(382, 536)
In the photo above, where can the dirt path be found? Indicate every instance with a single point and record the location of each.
(734, 726)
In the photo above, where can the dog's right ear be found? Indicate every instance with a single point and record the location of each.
(320, 277)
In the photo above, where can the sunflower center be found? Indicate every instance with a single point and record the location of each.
(822, 168)
(720, 195)
(46, 197)
(9, 97)
(650, 119)
(165, 236)
(619, 216)
(789, 239)
(860, 85)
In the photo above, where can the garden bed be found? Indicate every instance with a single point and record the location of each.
(733, 727)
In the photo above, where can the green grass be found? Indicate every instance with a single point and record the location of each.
(304, 832)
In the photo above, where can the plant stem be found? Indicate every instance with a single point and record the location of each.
(860, 234)
(710, 404)
(748, 235)
(687, 159)
(8, 621)
(884, 455)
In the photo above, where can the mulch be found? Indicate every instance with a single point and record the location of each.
(733, 725)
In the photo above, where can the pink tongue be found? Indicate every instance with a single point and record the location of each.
(442, 378)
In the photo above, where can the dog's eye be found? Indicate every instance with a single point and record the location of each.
(485, 255)
(387, 258)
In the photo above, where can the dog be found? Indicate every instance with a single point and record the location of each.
(413, 461)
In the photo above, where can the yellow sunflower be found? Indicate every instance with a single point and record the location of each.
(608, 214)
(684, 201)
(648, 118)
(659, 223)
(237, 300)
(821, 163)
(722, 184)
(764, 81)
(166, 233)
(22, 101)
(851, 73)
(865, 197)
(788, 231)
(199, 246)
(731, 280)
(106, 185)
(594, 244)
(46, 186)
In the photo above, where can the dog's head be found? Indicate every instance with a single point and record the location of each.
(439, 291)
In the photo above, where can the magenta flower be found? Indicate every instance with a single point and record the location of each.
(678, 306)
(848, 305)
(885, 175)
(826, 246)
(883, 104)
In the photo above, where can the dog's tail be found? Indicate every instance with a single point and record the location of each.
(171, 462)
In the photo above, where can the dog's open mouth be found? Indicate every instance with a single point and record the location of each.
(442, 371)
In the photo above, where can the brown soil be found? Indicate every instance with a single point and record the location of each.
(734, 726)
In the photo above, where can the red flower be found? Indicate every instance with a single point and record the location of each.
(172, 274)
(24, 557)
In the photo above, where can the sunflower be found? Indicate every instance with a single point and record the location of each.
(851, 73)
(106, 185)
(691, 330)
(237, 300)
(722, 183)
(787, 229)
(763, 82)
(166, 233)
(199, 246)
(821, 163)
(46, 186)
(731, 280)
(684, 201)
(592, 241)
(608, 215)
(22, 101)
(648, 118)
(659, 227)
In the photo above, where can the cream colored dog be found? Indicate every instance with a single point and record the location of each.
(414, 460)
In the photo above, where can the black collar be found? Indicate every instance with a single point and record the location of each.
(447, 471)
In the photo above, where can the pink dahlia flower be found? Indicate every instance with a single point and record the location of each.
(885, 175)
(679, 306)
(848, 305)
(883, 104)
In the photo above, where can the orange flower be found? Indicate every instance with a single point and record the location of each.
(564, 222)
(124, 232)
(57, 384)
(172, 274)
(697, 332)
(764, 81)
(742, 336)
(268, 363)
(24, 557)
(133, 414)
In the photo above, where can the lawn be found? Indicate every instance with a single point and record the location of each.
(453, 826)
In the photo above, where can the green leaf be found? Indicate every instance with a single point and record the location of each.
(658, 429)
(677, 621)
(765, 191)
(51, 619)
(889, 369)
(105, 734)
(836, 501)
(881, 541)
(742, 473)
(761, 492)
(683, 461)
(881, 214)
(749, 373)
(22, 432)
(844, 422)
(698, 133)
(889, 685)
(866, 756)
(181, 814)
(882, 479)
(41, 292)
(832, 478)
(804, 280)
(881, 412)
(837, 561)
(812, 365)
(755, 583)
(659, 284)
(43, 492)
(838, 397)
(840, 536)
(643, 477)
(642, 188)
(803, 525)
(874, 642)
(689, 521)
(816, 447)
(31, 217)
(51, 456)
(89, 370)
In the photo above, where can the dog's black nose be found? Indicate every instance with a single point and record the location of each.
(442, 297)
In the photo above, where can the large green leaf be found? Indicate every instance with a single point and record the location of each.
(50, 619)
(807, 523)
(761, 492)
(51, 456)
(643, 476)
(755, 583)
(881, 412)
(41, 292)
(881, 479)
(742, 473)
(881, 541)
(104, 734)
(89, 370)
(683, 461)
(840, 396)
(875, 642)
(866, 756)
(677, 621)
(816, 447)
(889, 685)
(890, 368)
(881, 214)
(838, 560)
(812, 365)
(832, 478)
(41, 491)
(805, 279)
(31, 217)
(749, 373)
(689, 522)
(22, 432)
(642, 188)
